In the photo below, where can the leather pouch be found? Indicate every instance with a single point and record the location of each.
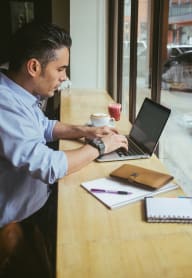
(141, 176)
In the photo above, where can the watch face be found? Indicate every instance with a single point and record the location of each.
(101, 147)
(98, 143)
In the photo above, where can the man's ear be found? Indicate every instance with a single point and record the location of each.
(33, 67)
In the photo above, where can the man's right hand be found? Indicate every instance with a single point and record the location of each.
(114, 141)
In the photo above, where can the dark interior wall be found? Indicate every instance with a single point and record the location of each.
(61, 13)
(42, 12)
(5, 28)
(56, 11)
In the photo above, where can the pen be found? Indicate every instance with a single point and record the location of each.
(185, 197)
(96, 190)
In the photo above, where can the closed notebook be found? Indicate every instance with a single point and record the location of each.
(142, 176)
(171, 210)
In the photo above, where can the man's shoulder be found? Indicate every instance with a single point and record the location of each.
(8, 100)
(5, 92)
(3, 82)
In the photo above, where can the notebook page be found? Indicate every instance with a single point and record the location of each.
(116, 200)
(169, 208)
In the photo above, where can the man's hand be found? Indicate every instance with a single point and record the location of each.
(99, 132)
(114, 141)
(66, 131)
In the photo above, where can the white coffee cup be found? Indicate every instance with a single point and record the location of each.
(101, 119)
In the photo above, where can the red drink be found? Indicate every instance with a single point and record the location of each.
(115, 110)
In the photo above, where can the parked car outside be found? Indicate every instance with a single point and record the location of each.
(175, 50)
(177, 73)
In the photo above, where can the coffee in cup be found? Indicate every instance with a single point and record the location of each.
(101, 119)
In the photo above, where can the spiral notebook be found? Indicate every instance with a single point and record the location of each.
(175, 210)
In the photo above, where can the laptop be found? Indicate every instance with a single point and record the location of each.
(144, 134)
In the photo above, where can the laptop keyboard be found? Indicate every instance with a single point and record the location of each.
(132, 150)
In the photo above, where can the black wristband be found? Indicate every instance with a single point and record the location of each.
(98, 144)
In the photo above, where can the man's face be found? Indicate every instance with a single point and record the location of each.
(53, 74)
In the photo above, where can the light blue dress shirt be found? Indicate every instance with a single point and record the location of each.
(27, 165)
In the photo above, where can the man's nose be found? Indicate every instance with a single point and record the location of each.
(64, 77)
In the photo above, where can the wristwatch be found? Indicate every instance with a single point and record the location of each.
(98, 144)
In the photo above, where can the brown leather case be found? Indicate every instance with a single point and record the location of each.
(141, 176)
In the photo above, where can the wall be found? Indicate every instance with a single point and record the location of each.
(61, 13)
(87, 25)
(88, 52)
(10, 23)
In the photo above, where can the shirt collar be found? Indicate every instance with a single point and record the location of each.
(26, 97)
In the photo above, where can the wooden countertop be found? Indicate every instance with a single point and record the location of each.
(95, 242)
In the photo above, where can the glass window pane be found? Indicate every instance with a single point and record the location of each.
(143, 43)
(176, 143)
(142, 53)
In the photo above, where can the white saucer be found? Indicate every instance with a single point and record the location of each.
(109, 125)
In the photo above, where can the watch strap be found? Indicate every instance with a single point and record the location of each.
(98, 144)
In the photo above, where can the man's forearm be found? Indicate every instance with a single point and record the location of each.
(64, 131)
(80, 157)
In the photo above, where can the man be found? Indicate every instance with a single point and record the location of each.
(29, 169)
(38, 61)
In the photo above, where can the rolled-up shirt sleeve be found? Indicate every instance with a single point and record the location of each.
(25, 131)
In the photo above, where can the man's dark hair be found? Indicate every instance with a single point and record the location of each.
(37, 40)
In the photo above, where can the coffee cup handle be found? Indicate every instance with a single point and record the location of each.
(112, 120)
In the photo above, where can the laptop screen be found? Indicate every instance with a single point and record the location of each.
(149, 125)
